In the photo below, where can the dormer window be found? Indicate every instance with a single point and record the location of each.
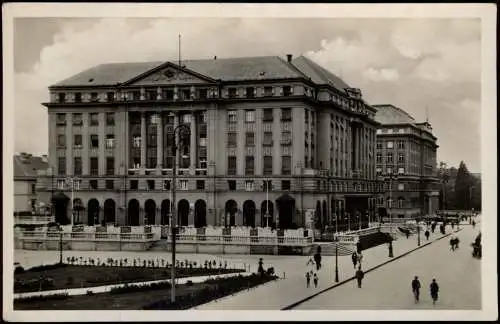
(78, 97)
(61, 97)
(232, 92)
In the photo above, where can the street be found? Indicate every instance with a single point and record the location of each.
(389, 287)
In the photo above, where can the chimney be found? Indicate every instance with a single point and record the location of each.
(289, 58)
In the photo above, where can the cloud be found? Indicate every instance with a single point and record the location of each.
(411, 63)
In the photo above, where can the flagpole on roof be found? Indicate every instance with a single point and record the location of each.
(179, 50)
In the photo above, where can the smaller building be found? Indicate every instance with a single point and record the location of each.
(28, 197)
(406, 161)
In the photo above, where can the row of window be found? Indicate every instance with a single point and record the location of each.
(94, 166)
(232, 139)
(286, 115)
(286, 163)
(400, 202)
(390, 145)
(110, 141)
(77, 119)
(389, 170)
(389, 158)
(391, 131)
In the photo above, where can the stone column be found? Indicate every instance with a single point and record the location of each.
(143, 140)
(159, 142)
(193, 143)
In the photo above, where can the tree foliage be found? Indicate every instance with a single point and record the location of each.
(460, 190)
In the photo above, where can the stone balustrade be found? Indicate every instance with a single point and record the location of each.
(33, 220)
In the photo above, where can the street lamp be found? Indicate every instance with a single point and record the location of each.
(337, 260)
(418, 232)
(187, 131)
(71, 181)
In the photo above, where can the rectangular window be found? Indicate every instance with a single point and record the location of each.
(268, 165)
(168, 94)
(183, 184)
(268, 115)
(285, 184)
(401, 186)
(286, 164)
(94, 119)
(389, 170)
(94, 184)
(390, 131)
(151, 185)
(379, 158)
(267, 185)
(110, 141)
(151, 95)
(232, 92)
(389, 158)
(136, 95)
(286, 138)
(286, 114)
(249, 116)
(33, 188)
(379, 146)
(61, 141)
(200, 184)
(268, 139)
(185, 94)
(78, 97)
(110, 96)
(249, 165)
(166, 185)
(61, 119)
(250, 139)
(110, 166)
(231, 139)
(249, 185)
(61, 97)
(134, 184)
(231, 165)
(110, 119)
(268, 91)
(231, 116)
(202, 94)
(250, 92)
(379, 171)
(401, 170)
(390, 144)
(401, 144)
(61, 166)
(94, 166)
(77, 164)
(401, 157)
(231, 184)
(136, 142)
(110, 184)
(77, 119)
(94, 141)
(94, 96)
(287, 91)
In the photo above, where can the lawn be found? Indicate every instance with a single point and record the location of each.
(188, 296)
(81, 276)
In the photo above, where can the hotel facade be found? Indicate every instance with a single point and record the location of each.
(406, 162)
(273, 142)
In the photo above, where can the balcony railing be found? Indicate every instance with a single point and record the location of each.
(33, 220)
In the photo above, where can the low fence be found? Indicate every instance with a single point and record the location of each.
(33, 220)
(82, 236)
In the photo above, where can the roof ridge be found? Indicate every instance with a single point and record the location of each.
(293, 67)
(314, 66)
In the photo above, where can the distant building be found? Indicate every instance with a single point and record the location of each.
(406, 149)
(271, 138)
(27, 196)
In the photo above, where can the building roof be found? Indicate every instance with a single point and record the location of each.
(27, 165)
(224, 69)
(390, 115)
(318, 74)
(230, 69)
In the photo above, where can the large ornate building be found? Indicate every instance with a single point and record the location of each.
(406, 161)
(267, 134)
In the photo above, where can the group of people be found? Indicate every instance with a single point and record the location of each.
(433, 287)
(454, 243)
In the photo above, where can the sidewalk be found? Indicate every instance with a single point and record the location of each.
(284, 292)
(107, 288)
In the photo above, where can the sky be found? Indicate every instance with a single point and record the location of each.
(416, 64)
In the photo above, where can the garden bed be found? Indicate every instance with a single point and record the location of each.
(154, 297)
(84, 276)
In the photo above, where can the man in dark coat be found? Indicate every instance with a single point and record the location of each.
(434, 288)
(427, 234)
(415, 287)
(359, 276)
(354, 258)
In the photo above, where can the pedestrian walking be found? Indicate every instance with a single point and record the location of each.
(427, 234)
(360, 258)
(308, 279)
(415, 287)
(354, 258)
(315, 279)
(434, 287)
(359, 276)
(452, 244)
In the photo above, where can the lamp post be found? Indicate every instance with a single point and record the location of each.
(70, 181)
(336, 261)
(418, 233)
(187, 131)
(59, 227)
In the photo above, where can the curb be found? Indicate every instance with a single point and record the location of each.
(292, 306)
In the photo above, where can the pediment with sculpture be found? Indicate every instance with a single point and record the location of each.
(170, 76)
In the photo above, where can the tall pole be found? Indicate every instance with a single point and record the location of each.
(60, 244)
(174, 218)
(336, 262)
(267, 204)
